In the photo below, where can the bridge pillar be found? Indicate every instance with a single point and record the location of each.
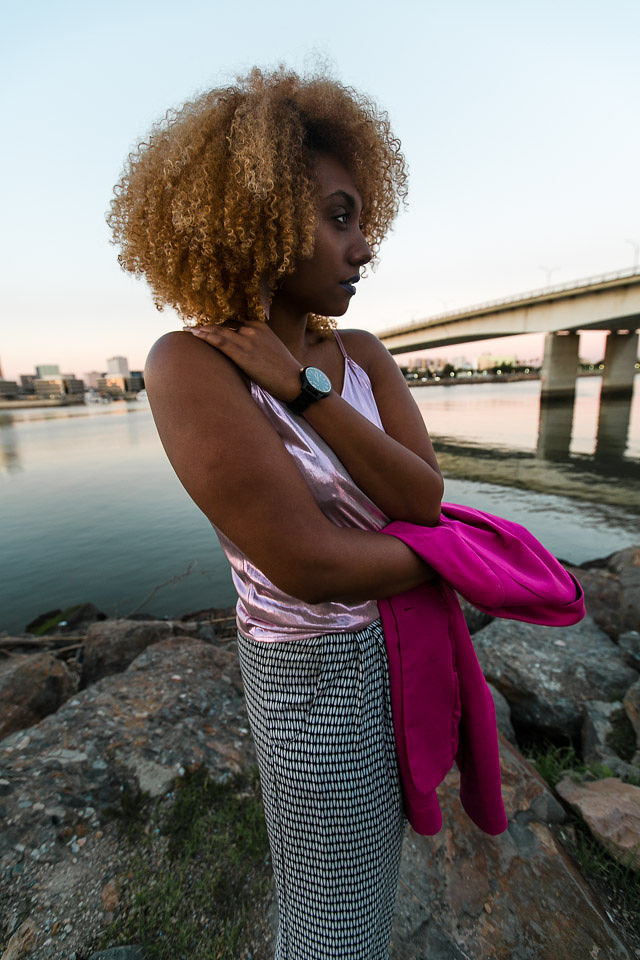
(560, 366)
(620, 357)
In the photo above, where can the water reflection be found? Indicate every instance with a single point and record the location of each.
(614, 418)
(63, 432)
(9, 455)
(555, 432)
(555, 428)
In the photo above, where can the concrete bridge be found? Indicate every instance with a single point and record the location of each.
(609, 302)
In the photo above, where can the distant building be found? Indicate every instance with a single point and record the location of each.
(64, 385)
(118, 366)
(135, 381)
(461, 363)
(49, 388)
(91, 379)
(8, 389)
(47, 370)
(488, 360)
(26, 382)
(72, 384)
(116, 386)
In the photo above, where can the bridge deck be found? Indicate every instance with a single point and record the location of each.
(607, 302)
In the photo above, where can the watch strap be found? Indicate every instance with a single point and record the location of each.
(308, 393)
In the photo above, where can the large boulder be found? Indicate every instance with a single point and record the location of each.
(547, 673)
(503, 714)
(178, 706)
(611, 810)
(605, 736)
(466, 896)
(632, 708)
(630, 643)
(612, 590)
(113, 644)
(32, 685)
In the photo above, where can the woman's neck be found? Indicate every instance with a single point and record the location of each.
(291, 330)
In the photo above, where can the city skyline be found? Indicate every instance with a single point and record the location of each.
(514, 119)
(456, 354)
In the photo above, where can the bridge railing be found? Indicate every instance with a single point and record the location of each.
(519, 298)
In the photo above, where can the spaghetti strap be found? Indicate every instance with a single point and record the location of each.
(340, 344)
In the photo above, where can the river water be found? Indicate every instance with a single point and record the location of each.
(90, 509)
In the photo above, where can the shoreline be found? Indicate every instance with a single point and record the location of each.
(490, 378)
(25, 404)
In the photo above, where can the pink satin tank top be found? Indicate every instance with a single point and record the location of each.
(263, 611)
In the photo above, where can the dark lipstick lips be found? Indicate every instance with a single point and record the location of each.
(349, 284)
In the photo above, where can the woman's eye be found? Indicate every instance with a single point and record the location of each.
(342, 218)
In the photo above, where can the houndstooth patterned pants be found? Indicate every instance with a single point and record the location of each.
(320, 715)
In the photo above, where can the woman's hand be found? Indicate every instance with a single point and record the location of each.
(258, 352)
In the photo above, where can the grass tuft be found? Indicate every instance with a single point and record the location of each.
(552, 762)
(618, 884)
(195, 871)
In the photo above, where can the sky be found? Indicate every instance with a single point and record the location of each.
(519, 121)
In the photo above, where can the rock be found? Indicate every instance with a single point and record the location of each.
(626, 565)
(601, 736)
(630, 643)
(32, 685)
(601, 597)
(611, 810)
(503, 714)
(475, 619)
(466, 896)
(70, 620)
(120, 953)
(632, 709)
(547, 673)
(22, 941)
(612, 590)
(109, 896)
(177, 707)
(112, 645)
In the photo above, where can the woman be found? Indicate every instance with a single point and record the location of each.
(253, 211)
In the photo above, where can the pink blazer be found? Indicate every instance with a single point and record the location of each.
(443, 711)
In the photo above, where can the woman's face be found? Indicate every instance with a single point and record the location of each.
(324, 284)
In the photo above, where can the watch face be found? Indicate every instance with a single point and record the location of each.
(318, 379)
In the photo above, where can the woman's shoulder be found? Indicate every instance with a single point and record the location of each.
(367, 351)
(180, 363)
(362, 346)
(176, 349)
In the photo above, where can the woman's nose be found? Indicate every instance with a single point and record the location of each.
(361, 252)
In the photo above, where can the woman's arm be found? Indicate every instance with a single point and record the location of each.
(396, 467)
(233, 464)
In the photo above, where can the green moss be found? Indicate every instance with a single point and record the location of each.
(46, 626)
(194, 900)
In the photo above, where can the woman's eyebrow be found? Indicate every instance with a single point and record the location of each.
(348, 199)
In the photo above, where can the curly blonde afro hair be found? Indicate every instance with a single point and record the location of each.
(217, 205)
